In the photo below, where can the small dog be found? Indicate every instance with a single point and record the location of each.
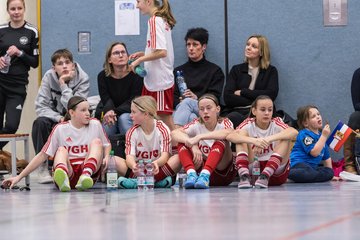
(5, 162)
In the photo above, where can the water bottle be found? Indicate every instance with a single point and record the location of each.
(182, 178)
(149, 175)
(141, 175)
(255, 170)
(139, 70)
(180, 81)
(7, 62)
(111, 174)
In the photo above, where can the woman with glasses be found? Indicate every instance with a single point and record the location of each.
(117, 85)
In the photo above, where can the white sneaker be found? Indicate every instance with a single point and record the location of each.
(44, 174)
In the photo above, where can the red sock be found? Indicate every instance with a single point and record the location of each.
(90, 166)
(272, 164)
(186, 157)
(242, 163)
(164, 171)
(63, 167)
(215, 155)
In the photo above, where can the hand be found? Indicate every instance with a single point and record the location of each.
(261, 143)
(10, 182)
(66, 77)
(136, 55)
(237, 92)
(189, 94)
(134, 64)
(192, 141)
(135, 170)
(110, 117)
(326, 130)
(156, 167)
(197, 156)
(105, 164)
(13, 51)
(2, 62)
(257, 151)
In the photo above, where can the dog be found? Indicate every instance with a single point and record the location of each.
(5, 162)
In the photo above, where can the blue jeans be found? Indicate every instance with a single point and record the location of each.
(186, 111)
(304, 173)
(122, 124)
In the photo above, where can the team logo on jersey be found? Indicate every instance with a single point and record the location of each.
(68, 139)
(24, 40)
(139, 144)
(308, 140)
(147, 154)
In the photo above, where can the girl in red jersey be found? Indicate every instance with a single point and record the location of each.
(267, 138)
(158, 57)
(148, 139)
(203, 149)
(77, 144)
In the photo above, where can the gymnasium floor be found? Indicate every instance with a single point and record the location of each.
(293, 211)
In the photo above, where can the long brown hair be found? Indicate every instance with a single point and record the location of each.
(108, 67)
(303, 114)
(165, 12)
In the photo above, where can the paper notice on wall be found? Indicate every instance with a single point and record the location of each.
(127, 19)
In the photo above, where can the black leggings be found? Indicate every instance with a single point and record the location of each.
(11, 105)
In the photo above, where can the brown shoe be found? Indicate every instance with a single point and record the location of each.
(349, 156)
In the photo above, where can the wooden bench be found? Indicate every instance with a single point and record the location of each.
(12, 139)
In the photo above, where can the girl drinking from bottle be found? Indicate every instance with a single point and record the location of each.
(158, 57)
(148, 139)
(77, 147)
(203, 147)
(266, 137)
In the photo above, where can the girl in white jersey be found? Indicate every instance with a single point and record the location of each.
(148, 139)
(267, 138)
(203, 149)
(158, 57)
(77, 145)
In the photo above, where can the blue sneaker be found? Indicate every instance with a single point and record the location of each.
(165, 183)
(127, 183)
(203, 181)
(191, 179)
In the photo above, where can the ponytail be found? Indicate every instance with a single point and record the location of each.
(165, 12)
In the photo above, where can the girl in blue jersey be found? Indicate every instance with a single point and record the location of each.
(310, 148)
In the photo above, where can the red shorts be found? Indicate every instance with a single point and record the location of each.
(164, 99)
(277, 178)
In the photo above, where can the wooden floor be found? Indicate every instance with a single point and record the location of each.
(292, 211)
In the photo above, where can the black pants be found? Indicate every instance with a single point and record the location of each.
(354, 120)
(41, 130)
(11, 105)
(237, 116)
(304, 173)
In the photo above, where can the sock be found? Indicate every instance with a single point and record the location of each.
(63, 167)
(242, 163)
(215, 155)
(90, 166)
(186, 157)
(272, 164)
(191, 171)
(164, 171)
(205, 172)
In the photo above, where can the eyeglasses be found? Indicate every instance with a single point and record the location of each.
(119, 53)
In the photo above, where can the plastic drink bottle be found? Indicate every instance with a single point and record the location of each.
(111, 174)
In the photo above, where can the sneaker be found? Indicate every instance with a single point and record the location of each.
(61, 179)
(165, 183)
(203, 181)
(262, 182)
(84, 182)
(191, 180)
(127, 183)
(244, 182)
(44, 174)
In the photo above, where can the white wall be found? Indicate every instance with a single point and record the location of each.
(28, 114)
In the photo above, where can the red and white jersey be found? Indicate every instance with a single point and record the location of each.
(195, 127)
(144, 146)
(75, 140)
(276, 126)
(160, 71)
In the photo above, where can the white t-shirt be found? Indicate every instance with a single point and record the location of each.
(75, 140)
(148, 147)
(276, 126)
(195, 128)
(160, 71)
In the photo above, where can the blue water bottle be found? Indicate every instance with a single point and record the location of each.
(180, 81)
(139, 70)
